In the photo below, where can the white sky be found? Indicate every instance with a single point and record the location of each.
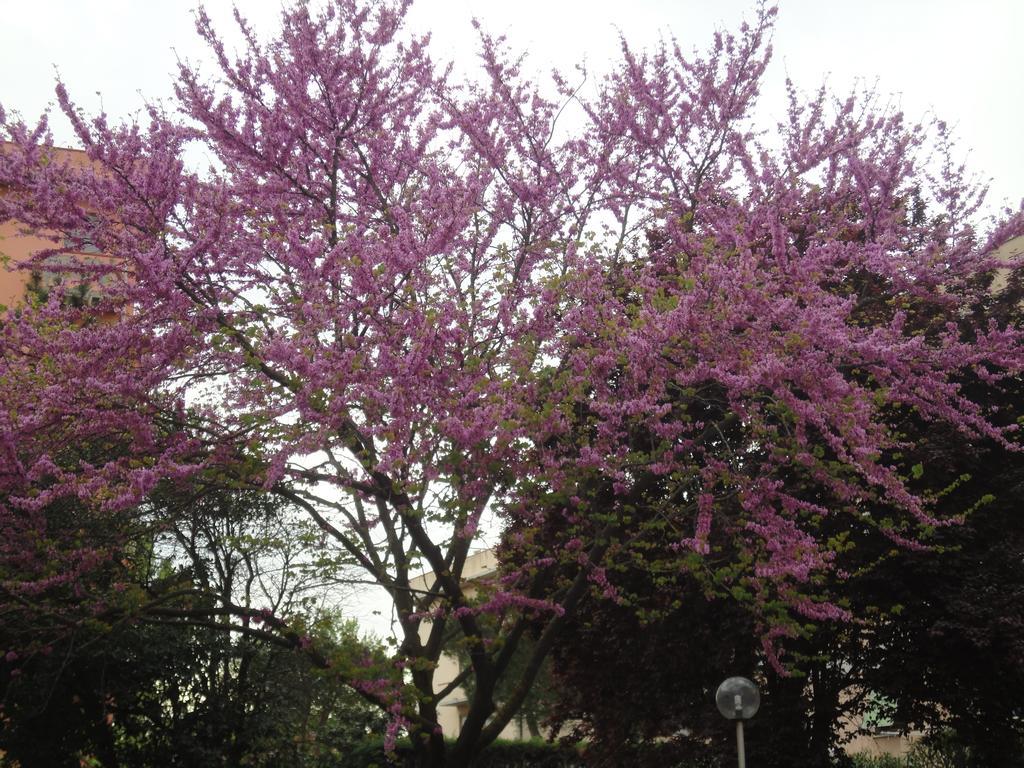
(960, 59)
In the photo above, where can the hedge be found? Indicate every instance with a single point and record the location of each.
(500, 754)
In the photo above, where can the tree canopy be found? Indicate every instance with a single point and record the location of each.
(406, 302)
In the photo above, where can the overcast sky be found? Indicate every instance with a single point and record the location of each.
(961, 60)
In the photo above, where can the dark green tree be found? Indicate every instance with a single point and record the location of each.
(145, 673)
(940, 639)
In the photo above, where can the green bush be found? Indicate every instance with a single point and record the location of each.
(879, 761)
(529, 754)
(501, 754)
(939, 750)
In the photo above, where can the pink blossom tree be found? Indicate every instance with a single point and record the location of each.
(404, 302)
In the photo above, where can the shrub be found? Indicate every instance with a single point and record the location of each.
(500, 754)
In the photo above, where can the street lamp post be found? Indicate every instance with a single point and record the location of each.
(738, 699)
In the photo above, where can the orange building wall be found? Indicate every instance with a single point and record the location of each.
(17, 247)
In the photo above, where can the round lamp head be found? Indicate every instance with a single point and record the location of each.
(737, 699)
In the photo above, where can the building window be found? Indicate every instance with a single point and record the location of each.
(80, 240)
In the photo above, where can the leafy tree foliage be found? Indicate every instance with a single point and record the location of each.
(948, 650)
(150, 695)
(149, 677)
(402, 302)
(938, 640)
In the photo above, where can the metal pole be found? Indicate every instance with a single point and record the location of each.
(739, 744)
